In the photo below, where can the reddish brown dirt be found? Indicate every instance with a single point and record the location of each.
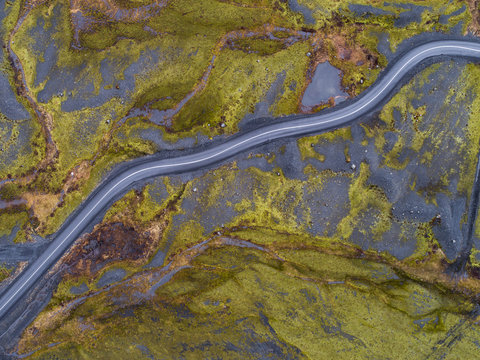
(338, 49)
(108, 243)
(122, 238)
(473, 7)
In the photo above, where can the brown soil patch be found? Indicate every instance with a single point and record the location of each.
(475, 11)
(77, 176)
(351, 52)
(338, 48)
(42, 205)
(111, 242)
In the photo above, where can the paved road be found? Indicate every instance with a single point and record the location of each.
(299, 126)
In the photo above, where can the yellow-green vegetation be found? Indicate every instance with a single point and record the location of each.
(9, 221)
(19, 154)
(120, 206)
(63, 292)
(232, 91)
(474, 257)
(105, 36)
(306, 144)
(259, 46)
(141, 208)
(469, 92)
(4, 272)
(238, 302)
(363, 200)
(12, 11)
(10, 191)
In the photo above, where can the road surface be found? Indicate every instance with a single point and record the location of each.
(77, 223)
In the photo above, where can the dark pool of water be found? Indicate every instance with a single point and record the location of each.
(325, 84)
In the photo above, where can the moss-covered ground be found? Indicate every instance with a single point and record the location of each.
(181, 69)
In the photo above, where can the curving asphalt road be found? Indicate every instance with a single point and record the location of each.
(299, 126)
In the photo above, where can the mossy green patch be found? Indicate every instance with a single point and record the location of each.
(243, 80)
(107, 35)
(258, 46)
(471, 86)
(362, 199)
(4, 272)
(11, 220)
(306, 145)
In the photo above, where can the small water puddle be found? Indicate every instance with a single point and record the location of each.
(325, 85)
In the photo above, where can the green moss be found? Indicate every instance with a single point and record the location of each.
(189, 233)
(273, 203)
(474, 257)
(107, 35)
(120, 205)
(23, 144)
(4, 272)
(243, 81)
(426, 243)
(259, 46)
(308, 304)
(11, 191)
(363, 198)
(148, 208)
(12, 9)
(306, 144)
(10, 220)
(63, 292)
(131, 4)
(470, 81)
